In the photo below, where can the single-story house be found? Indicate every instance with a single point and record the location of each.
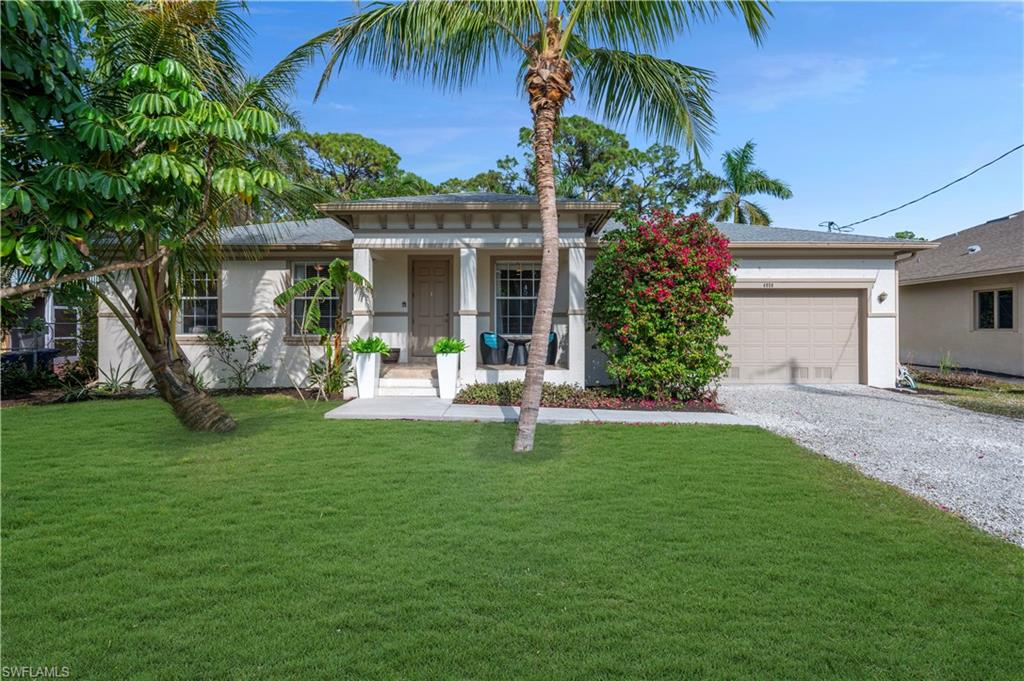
(964, 299)
(810, 306)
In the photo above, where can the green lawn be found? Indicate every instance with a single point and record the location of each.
(302, 548)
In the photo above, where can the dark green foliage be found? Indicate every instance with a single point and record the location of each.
(594, 162)
(658, 298)
(18, 380)
(302, 548)
(238, 355)
(907, 234)
(46, 192)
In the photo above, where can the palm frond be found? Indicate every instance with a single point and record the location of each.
(758, 182)
(449, 44)
(662, 97)
(756, 214)
(710, 183)
(632, 25)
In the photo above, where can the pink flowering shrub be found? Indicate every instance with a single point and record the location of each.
(659, 298)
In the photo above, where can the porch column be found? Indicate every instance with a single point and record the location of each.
(362, 303)
(467, 315)
(577, 314)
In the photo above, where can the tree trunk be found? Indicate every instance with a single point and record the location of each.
(543, 137)
(194, 408)
(548, 81)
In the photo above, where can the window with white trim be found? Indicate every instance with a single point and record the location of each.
(67, 336)
(993, 309)
(330, 308)
(515, 297)
(200, 304)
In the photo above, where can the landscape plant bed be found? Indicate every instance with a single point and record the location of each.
(509, 394)
(971, 390)
(45, 396)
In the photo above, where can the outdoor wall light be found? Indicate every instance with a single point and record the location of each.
(882, 296)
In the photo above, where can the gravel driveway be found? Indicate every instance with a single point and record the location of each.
(970, 463)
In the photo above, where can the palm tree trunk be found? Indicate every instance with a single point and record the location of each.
(544, 124)
(549, 83)
(194, 408)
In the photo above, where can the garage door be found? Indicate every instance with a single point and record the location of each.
(794, 337)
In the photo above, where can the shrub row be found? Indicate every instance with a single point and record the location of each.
(510, 393)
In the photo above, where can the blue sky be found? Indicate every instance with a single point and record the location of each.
(858, 106)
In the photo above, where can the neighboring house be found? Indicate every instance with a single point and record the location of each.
(49, 325)
(810, 307)
(964, 299)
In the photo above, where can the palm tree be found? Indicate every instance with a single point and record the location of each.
(741, 179)
(604, 45)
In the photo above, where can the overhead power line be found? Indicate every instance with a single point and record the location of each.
(945, 186)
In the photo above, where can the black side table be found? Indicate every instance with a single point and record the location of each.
(519, 351)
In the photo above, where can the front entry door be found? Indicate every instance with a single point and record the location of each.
(431, 304)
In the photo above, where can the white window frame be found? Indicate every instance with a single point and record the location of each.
(185, 297)
(499, 266)
(996, 319)
(293, 329)
(77, 338)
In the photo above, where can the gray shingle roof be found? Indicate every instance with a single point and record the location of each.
(294, 233)
(754, 233)
(318, 231)
(1002, 250)
(757, 234)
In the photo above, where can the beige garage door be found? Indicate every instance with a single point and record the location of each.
(795, 337)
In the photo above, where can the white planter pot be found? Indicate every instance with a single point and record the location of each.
(447, 375)
(367, 373)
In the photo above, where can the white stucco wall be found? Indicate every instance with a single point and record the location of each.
(248, 289)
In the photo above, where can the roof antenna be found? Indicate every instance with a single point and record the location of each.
(833, 227)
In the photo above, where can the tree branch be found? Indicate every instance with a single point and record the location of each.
(58, 279)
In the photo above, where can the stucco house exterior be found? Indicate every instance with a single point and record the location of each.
(810, 307)
(964, 299)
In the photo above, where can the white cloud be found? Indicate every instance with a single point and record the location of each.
(769, 82)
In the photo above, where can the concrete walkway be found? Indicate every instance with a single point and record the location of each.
(435, 409)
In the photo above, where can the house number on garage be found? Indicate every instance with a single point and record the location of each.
(767, 284)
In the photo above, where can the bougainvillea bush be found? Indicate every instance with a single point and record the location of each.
(659, 298)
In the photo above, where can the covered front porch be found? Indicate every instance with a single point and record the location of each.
(470, 288)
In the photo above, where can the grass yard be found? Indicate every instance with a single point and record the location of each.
(1004, 399)
(302, 548)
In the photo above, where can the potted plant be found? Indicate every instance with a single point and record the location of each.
(366, 353)
(447, 351)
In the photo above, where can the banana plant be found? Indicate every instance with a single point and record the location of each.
(326, 375)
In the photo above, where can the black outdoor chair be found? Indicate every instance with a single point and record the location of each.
(552, 347)
(493, 348)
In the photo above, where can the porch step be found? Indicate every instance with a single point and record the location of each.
(407, 387)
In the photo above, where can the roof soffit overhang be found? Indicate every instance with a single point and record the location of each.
(591, 215)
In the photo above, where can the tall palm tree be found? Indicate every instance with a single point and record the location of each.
(607, 46)
(741, 179)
